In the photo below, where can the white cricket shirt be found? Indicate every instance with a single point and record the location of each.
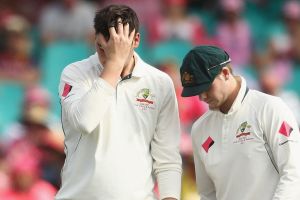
(118, 140)
(231, 160)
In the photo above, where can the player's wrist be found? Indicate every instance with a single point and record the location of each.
(111, 75)
(114, 66)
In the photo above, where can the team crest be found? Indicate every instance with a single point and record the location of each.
(145, 99)
(243, 133)
(187, 78)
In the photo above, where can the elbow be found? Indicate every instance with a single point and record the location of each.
(83, 120)
(163, 167)
(86, 126)
(83, 123)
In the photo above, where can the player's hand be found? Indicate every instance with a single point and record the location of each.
(118, 47)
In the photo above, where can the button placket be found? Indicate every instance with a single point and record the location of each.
(225, 133)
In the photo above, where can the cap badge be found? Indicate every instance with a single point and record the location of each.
(187, 78)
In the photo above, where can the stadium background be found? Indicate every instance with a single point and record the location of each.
(38, 38)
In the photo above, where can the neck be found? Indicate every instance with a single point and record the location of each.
(129, 67)
(236, 85)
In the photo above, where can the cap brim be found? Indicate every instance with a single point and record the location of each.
(195, 90)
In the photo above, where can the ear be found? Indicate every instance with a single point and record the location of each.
(136, 40)
(226, 72)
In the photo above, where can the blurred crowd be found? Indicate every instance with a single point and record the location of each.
(38, 38)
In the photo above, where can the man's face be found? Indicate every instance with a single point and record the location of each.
(216, 95)
(101, 52)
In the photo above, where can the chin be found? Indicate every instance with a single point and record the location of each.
(213, 107)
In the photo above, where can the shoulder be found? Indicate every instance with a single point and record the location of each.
(79, 69)
(200, 123)
(262, 100)
(148, 70)
(153, 71)
(158, 77)
(266, 106)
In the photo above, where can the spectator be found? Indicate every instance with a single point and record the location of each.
(30, 9)
(25, 181)
(175, 22)
(291, 12)
(234, 34)
(36, 111)
(4, 177)
(16, 63)
(67, 20)
(272, 82)
(33, 137)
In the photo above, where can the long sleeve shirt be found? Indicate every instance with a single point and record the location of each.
(230, 152)
(118, 140)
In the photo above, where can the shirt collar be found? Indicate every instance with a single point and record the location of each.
(139, 69)
(240, 97)
(95, 61)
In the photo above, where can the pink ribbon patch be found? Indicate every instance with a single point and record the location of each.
(208, 143)
(67, 89)
(285, 129)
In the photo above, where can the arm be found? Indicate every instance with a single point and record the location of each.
(165, 147)
(83, 105)
(115, 52)
(205, 185)
(283, 136)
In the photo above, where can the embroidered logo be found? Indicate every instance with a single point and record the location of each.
(187, 78)
(285, 129)
(67, 89)
(243, 133)
(207, 144)
(145, 99)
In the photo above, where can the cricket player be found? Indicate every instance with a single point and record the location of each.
(246, 147)
(120, 119)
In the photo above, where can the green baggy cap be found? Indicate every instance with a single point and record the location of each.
(200, 67)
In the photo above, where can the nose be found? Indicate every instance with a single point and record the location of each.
(203, 96)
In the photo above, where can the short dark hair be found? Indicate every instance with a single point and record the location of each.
(108, 17)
